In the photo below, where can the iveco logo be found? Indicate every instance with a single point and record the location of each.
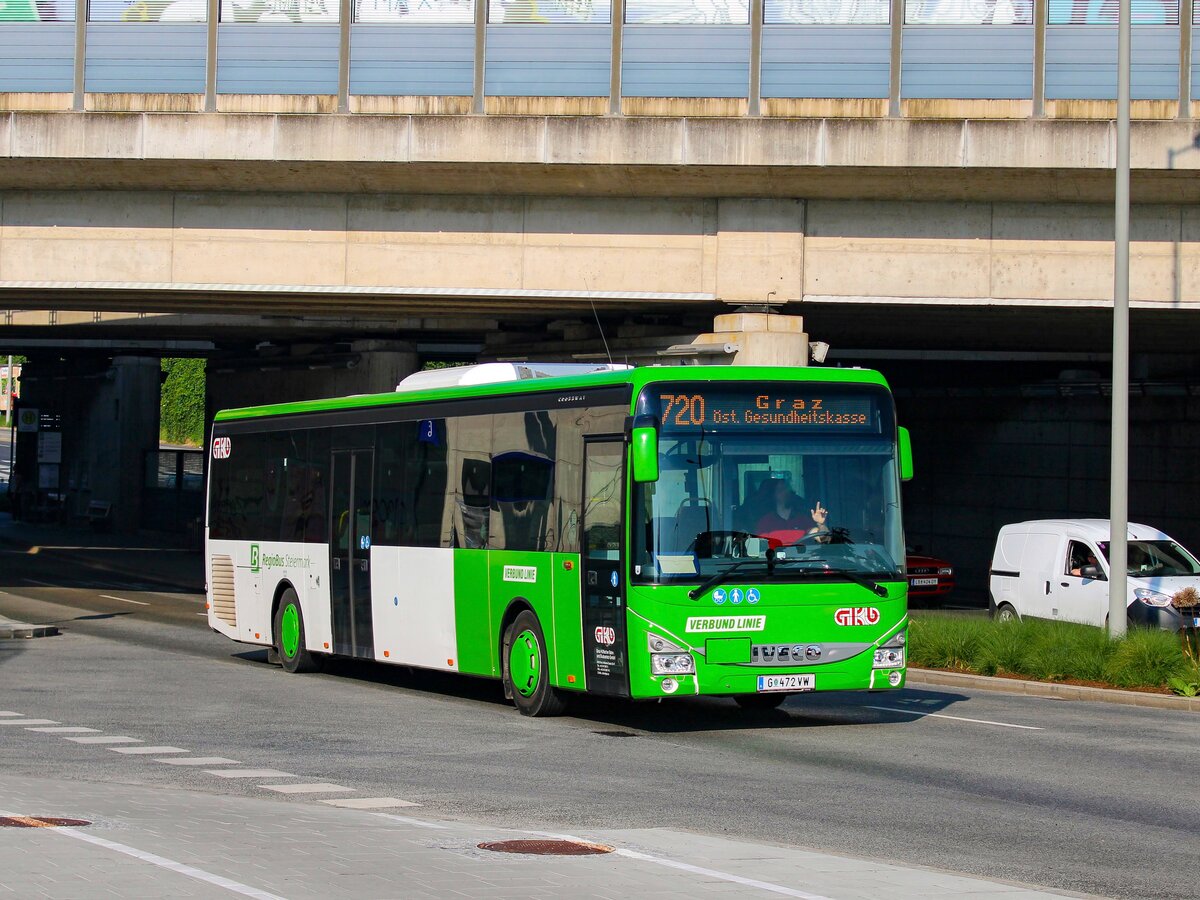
(812, 652)
(571, 398)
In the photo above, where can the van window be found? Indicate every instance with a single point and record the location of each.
(1079, 555)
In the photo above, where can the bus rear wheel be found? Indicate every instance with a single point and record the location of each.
(760, 702)
(289, 635)
(527, 670)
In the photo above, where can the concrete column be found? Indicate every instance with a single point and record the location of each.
(748, 339)
(136, 396)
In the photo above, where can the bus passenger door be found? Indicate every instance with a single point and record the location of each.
(350, 553)
(603, 568)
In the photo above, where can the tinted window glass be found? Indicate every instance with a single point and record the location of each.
(238, 488)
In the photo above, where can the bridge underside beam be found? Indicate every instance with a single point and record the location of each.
(643, 157)
(815, 182)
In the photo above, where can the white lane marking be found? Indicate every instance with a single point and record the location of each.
(917, 712)
(124, 600)
(319, 788)
(371, 803)
(203, 614)
(250, 773)
(9, 712)
(28, 722)
(105, 739)
(200, 761)
(65, 729)
(42, 583)
(767, 886)
(148, 750)
(162, 862)
(407, 821)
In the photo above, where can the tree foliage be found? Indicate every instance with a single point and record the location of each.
(181, 415)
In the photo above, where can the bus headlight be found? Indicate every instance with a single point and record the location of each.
(889, 658)
(656, 644)
(672, 664)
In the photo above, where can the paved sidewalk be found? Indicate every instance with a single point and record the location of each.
(154, 842)
(156, 559)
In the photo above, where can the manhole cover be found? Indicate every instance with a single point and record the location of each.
(40, 822)
(546, 848)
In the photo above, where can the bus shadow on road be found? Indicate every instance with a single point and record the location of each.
(426, 681)
(693, 714)
(614, 717)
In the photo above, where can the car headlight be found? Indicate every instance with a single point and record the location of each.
(946, 570)
(1152, 598)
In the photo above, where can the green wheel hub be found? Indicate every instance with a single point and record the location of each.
(525, 663)
(289, 632)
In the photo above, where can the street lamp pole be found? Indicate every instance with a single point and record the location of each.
(1118, 553)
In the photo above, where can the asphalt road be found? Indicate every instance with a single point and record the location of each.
(1077, 796)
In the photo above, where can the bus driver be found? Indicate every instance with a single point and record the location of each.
(787, 522)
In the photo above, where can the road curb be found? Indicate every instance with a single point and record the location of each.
(10, 630)
(1052, 691)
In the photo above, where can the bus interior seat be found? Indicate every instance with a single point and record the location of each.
(690, 521)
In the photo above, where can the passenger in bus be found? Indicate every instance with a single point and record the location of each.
(789, 521)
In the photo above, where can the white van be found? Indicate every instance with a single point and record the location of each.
(1058, 569)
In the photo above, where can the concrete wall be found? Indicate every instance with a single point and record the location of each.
(542, 249)
(986, 461)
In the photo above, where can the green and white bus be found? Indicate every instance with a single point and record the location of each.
(643, 532)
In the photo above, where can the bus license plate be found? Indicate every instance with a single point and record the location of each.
(786, 682)
(924, 582)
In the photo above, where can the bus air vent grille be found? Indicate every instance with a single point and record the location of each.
(222, 590)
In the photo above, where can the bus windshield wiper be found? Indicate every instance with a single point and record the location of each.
(873, 586)
(718, 577)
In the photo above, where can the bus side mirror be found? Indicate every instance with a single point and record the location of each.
(904, 451)
(644, 448)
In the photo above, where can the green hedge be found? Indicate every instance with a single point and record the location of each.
(181, 415)
(1053, 651)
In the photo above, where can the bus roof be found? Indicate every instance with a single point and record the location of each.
(636, 378)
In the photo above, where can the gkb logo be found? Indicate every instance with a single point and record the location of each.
(606, 636)
(857, 615)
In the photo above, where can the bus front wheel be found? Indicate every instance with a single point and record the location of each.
(527, 670)
(289, 635)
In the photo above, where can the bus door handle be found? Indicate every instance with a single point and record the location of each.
(363, 565)
(337, 564)
(1047, 589)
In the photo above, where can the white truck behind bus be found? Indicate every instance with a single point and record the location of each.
(1058, 569)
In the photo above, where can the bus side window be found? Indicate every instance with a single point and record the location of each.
(239, 490)
(425, 480)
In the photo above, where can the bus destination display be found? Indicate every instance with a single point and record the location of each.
(766, 409)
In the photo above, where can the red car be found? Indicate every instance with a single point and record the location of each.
(929, 578)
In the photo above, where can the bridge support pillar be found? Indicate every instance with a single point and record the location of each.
(752, 339)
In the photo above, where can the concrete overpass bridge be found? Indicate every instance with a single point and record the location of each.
(933, 197)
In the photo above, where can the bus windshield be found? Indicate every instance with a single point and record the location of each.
(741, 474)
